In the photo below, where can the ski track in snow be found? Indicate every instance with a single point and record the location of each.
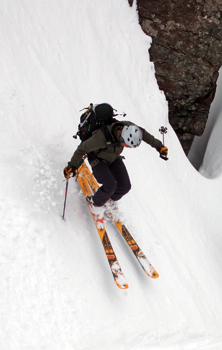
(56, 289)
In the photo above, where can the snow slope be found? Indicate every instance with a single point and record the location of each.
(56, 289)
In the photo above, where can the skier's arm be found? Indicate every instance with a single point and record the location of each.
(150, 139)
(95, 142)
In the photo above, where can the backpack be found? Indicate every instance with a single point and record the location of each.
(95, 117)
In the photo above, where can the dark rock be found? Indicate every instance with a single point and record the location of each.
(187, 53)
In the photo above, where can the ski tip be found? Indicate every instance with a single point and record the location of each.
(154, 274)
(122, 286)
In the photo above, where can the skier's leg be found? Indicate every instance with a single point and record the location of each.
(121, 176)
(104, 176)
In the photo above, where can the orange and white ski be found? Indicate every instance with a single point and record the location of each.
(141, 258)
(110, 254)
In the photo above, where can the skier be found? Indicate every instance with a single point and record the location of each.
(107, 164)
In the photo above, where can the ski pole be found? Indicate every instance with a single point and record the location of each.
(163, 131)
(66, 192)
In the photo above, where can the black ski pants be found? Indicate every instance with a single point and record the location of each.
(114, 179)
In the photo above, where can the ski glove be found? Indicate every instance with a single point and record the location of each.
(164, 151)
(69, 171)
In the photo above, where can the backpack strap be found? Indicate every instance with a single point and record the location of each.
(107, 135)
(109, 140)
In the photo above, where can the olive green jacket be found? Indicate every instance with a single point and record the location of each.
(97, 145)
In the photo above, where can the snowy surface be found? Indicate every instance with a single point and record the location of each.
(56, 289)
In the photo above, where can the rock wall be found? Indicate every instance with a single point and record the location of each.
(187, 54)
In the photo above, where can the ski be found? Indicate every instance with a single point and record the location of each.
(140, 256)
(110, 254)
(142, 259)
